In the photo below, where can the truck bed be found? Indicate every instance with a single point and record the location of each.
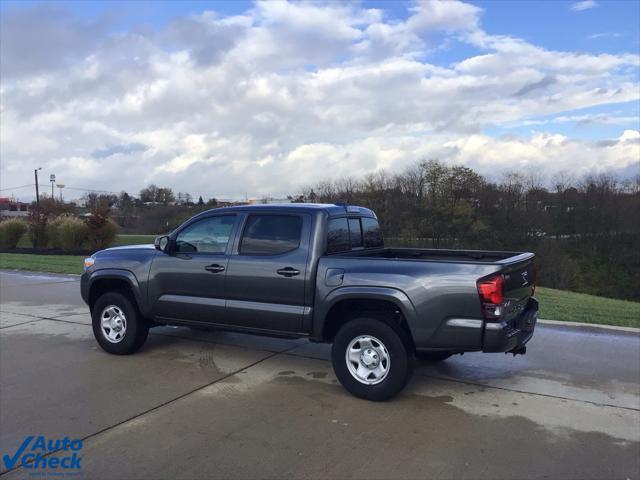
(439, 288)
(442, 255)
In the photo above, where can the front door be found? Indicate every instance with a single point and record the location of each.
(188, 283)
(266, 278)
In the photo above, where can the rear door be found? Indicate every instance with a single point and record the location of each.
(266, 274)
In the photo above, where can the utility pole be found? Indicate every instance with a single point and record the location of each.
(52, 179)
(35, 172)
(37, 234)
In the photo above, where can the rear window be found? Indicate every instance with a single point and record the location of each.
(338, 235)
(345, 234)
(271, 234)
(372, 233)
(355, 233)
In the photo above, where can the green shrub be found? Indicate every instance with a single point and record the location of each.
(53, 232)
(71, 233)
(11, 231)
(102, 232)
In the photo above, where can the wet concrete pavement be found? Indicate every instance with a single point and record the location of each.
(214, 404)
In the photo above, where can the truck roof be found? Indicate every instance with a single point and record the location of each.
(332, 209)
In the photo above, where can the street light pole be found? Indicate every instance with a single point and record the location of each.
(35, 172)
(60, 187)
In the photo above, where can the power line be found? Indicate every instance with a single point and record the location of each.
(84, 189)
(16, 188)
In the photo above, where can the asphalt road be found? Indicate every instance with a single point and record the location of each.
(221, 405)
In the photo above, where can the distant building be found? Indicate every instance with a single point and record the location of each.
(268, 200)
(10, 207)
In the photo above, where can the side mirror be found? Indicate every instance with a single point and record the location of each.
(162, 243)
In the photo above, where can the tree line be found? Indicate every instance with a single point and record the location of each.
(150, 195)
(585, 230)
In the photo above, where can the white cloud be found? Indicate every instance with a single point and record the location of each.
(596, 36)
(286, 94)
(548, 150)
(452, 16)
(584, 5)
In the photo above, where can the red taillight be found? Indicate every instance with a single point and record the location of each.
(491, 290)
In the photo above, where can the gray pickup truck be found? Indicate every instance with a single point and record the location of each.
(320, 272)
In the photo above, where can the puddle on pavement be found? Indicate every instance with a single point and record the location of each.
(432, 431)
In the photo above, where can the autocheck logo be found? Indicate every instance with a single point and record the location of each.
(35, 454)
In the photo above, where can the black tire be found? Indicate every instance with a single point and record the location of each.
(137, 328)
(433, 357)
(396, 348)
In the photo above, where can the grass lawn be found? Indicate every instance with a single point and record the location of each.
(42, 263)
(133, 239)
(579, 307)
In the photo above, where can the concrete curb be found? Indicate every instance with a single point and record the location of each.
(589, 325)
(38, 273)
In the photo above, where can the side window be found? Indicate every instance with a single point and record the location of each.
(355, 233)
(271, 234)
(209, 235)
(371, 233)
(338, 235)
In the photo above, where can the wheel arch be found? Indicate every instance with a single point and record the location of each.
(109, 280)
(346, 301)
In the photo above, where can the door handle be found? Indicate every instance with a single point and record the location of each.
(288, 272)
(215, 268)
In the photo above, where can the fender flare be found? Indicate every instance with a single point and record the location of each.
(397, 297)
(119, 274)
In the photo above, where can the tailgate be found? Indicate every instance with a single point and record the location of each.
(519, 283)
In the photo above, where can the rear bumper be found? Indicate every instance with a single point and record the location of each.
(510, 335)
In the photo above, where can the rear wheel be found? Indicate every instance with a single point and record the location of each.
(117, 325)
(370, 358)
(433, 357)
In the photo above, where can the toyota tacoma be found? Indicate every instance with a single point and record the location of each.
(316, 271)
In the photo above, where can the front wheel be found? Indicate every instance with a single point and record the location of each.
(371, 359)
(117, 325)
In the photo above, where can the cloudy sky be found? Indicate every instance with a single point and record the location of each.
(227, 98)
